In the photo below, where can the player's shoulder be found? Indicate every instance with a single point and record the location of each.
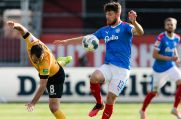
(177, 35)
(105, 27)
(102, 30)
(124, 23)
(29, 37)
(161, 36)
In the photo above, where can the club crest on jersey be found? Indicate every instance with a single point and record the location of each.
(31, 39)
(166, 43)
(117, 30)
(113, 37)
(174, 44)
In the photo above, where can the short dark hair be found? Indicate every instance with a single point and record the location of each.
(170, 19)
(112, 6)
(37, 50)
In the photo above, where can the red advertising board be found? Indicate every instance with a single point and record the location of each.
(141, 51)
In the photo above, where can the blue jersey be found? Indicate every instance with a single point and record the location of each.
(118, 41)
(166, 46)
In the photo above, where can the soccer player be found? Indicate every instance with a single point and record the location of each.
(164, 67)
(51, 73)
(116, 69)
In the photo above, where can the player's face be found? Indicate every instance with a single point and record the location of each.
(35, 59)
(111, 17)
(170, 26)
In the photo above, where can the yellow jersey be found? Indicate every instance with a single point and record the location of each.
(48, 65)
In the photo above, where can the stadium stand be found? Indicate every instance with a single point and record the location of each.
(60, 16)
(153, 12)
(58, 19)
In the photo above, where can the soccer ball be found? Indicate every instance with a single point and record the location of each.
(90, 42)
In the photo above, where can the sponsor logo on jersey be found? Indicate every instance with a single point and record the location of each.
(166, 43)
(113, 37)
(169, 49)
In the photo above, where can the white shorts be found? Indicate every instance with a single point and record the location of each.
(159, 79)
(116, 76)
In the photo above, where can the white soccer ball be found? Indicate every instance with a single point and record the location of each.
(90, 42)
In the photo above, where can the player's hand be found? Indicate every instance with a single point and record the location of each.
(8, 28)
(174, 58)
(60, 42)
(10, 24)
(13, 24)
(132, 16)
(178, 62)
(30, 107)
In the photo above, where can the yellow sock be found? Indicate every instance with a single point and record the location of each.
(59, 115)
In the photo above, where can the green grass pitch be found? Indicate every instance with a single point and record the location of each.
(80, 110)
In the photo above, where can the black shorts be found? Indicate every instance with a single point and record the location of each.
(55, 84)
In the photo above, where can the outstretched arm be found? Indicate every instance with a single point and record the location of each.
(138, 30)
(18, 27)
(77, 40)
(39, 93)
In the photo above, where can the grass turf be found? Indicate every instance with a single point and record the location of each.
(80, 110)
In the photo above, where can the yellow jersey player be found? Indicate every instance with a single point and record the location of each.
(51, 73)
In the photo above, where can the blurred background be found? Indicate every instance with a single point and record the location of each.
(51, 20)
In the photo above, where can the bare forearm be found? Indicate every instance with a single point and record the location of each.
(161, 57)
(138, 28)
(21, 29)
(38, 94)
(77, 40)
(176, 52)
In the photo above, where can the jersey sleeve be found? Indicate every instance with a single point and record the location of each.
(158, 43)
(29, 38)
(179, 39)
(129, 28)
(98, 34)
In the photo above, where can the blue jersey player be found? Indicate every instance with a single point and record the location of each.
(116, 68)
(164, 67)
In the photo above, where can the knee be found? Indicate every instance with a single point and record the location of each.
(53, 107)
(94, 78)
(97, 77)
(111, 98)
